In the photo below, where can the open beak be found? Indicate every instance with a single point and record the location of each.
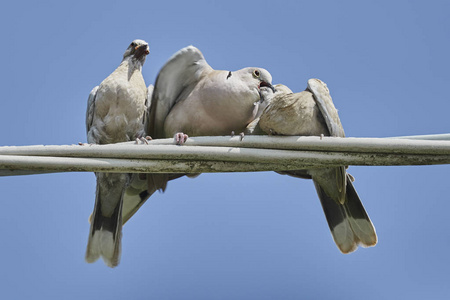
(263, 83)
(141, 50)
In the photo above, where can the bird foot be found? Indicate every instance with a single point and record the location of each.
(240, 134)
(144, 140)
(180, 138)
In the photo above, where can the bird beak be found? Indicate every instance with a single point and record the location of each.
(141, 50)
(263, 95)
(263, 83)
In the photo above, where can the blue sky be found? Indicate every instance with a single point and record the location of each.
(229, 236)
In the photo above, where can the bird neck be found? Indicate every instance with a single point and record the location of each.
(133, 63)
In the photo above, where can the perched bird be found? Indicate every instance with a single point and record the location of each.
(116, 113)
(312, 113)
(191, 98)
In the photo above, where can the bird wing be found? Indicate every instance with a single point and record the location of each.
(174, 83)
(148, 103)
(326, 106)
(90, 109)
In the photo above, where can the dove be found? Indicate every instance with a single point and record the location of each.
(312, 113)
(193, 98)
(190, 98)
(116, 112)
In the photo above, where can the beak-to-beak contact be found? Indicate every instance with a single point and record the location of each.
(265, 84)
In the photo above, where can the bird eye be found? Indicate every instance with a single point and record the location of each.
(256, 73)
(133, 44)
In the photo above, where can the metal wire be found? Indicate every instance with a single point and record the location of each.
(226, 154)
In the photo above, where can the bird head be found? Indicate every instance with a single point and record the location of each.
(281, 88)
(263, 81)
(138, 49)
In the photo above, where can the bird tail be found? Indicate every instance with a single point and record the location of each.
(349, 223)
(137, 193)
(106, 224)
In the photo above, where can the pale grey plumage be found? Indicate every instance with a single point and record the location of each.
(312, 112)
(191, 97)
(137, 189)
(115, 113)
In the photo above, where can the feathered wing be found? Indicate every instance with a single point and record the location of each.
(349, 222)
(113, 116)
(106, 229)
(347, 219)
(325, 103)
(90, 109)
(175, 81)
(148, 103)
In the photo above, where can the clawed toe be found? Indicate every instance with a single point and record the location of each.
(180, 138)
(144, 140)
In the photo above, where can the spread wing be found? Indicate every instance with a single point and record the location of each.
(174, 83)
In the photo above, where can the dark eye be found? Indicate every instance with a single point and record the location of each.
(133, 44)
(256, 73)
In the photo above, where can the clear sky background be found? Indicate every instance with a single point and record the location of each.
(229, 236)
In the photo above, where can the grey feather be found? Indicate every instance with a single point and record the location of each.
(90, 109)
(116, 112)
(191, 97)
(312, 112)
